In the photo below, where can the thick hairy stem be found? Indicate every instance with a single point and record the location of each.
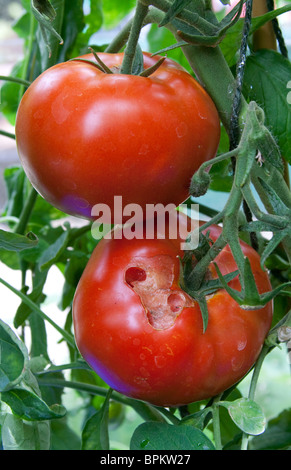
(137, 24)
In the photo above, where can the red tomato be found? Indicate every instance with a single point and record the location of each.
(84, 136)
(144, 335)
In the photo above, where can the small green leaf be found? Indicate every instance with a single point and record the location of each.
(95, 433)
(27, 405)
(13, 356)
(37, 296)
(45, 14)
(277, 435)
(15, 185)
(44, 8)
(278, 205)
(25, 435)
(14, 242)
(54, 251)
(267, 74)
(164, 436)
(247, 415)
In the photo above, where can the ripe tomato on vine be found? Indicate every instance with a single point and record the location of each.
(84, 136)
(143, 334)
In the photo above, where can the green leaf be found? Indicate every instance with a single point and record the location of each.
(45, 14)
(197, 419)
(25, 435)
(95, 433)
(37, 296)
(29, 406)
(54, 251)
(277, 435)
(10, 94)
(13, 356)
(93, 22)
(259, 21)
(278, 205)
(73, 25)
(44, 8)
(16, 189)
(15, 242)
(247, 415)
(267, 74)
(63, 437)
(231, 43)
(48, 34)
(164, 436)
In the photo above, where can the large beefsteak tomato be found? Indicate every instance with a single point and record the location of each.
(144, 335)
(85, 136)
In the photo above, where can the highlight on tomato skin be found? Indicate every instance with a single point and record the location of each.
(84, 136)
(143, 334)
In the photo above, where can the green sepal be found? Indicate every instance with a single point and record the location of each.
(174, 10)
(249, 298)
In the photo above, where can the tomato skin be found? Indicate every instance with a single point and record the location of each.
(84, 136)
(168, 365)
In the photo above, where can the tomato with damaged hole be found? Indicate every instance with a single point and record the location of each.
(84, 136)
(143, 334)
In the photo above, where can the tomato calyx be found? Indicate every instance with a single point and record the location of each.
(150, 70)
(102, 67)
(201, 286)
(163, 298)
(249, 297)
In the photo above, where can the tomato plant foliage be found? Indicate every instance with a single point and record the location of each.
(159, 340)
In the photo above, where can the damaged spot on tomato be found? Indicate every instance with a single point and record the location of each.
(134, 274)
(176, 302)
(152, 280)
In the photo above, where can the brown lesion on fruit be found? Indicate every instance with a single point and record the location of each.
(152, 280)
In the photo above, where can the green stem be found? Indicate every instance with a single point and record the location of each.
(209, 62)
(137, 24)
(192, 18)
(276, 180)
(79, 232)
(253, 386)
(147, 412)
(67, 336)
(9, 218)
(120, 39)
(218, 158)
(215, 219)
(7, 134)
(26, 212)
(216, 424)
(31, 39)
(20, 81)
(197, 275)
(230, 226)
(273, 219)
(256, 372)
